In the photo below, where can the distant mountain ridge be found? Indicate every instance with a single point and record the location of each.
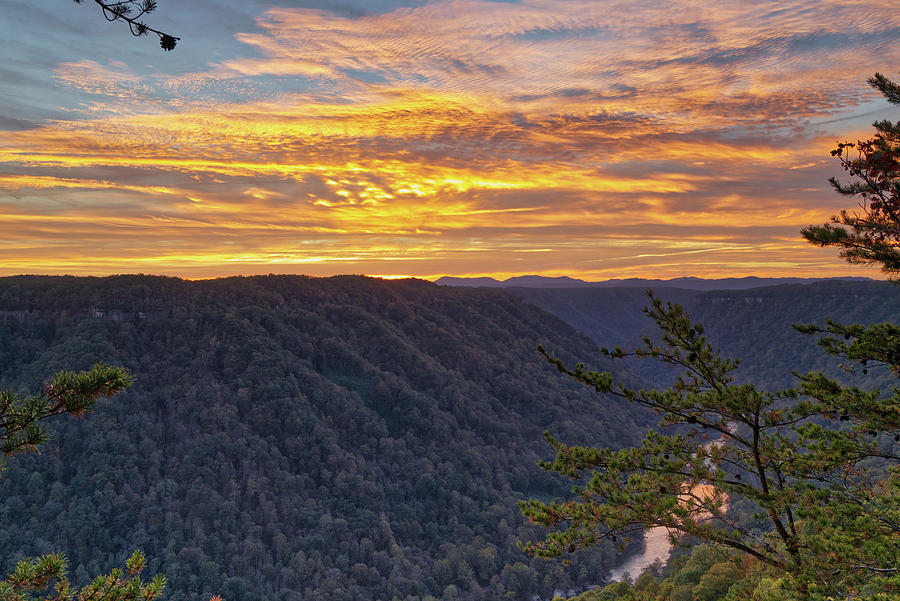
(687, 283)
(754, 325)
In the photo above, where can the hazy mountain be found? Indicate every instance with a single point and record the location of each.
(689, 283)
(528, 281)
(753, 325)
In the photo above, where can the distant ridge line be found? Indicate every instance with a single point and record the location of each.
(688, 283)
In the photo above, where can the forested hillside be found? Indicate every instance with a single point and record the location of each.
(751, 325)
(341, 438)
(297, 438)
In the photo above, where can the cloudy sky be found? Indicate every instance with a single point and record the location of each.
(598, 139)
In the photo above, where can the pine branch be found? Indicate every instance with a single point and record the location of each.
(120, 11)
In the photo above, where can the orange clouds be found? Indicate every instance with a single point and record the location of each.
(597, 139)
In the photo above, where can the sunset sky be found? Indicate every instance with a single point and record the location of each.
(596, 139)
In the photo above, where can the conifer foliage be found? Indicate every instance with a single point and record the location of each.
(34, 577)
(21, 430)
(870, 233)
(21, 427)
(816, 463)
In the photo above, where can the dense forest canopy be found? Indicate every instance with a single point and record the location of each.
(289, 437)
(754, 326)
(343, 438)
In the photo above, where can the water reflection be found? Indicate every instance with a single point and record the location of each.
(656, 548)
(656, 540)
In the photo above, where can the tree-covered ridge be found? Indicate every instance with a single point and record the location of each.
(753, 325)
(293, 438)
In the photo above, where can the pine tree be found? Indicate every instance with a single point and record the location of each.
(21, 419)
(870, 233)
(817, 461)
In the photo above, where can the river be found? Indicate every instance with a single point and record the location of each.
(656, 540)
(656, 548)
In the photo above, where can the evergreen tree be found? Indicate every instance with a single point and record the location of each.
(870, 233)
(21, 419)
(817, 461)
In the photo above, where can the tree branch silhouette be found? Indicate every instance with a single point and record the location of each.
(130, 12)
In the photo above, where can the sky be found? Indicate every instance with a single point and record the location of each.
(595, 139)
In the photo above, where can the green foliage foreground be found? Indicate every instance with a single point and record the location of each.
(817, 463)
(36, 576)
(22, 429)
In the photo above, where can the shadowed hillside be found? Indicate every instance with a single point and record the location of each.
(298, 438)
(751, 325)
